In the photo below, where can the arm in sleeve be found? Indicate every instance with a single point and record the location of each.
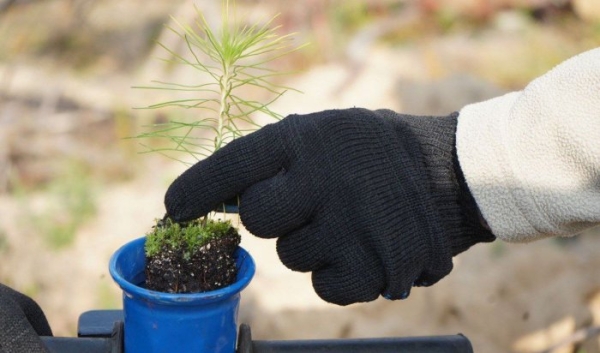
(532, 158)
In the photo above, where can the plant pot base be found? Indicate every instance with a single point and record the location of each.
(170, 322)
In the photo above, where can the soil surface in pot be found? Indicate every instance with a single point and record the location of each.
(183, 270)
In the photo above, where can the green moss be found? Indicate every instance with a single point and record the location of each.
(189, 236)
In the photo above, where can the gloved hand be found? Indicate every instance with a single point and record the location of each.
(22, 321)
(372, 202)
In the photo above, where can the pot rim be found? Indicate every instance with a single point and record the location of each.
(133, 290)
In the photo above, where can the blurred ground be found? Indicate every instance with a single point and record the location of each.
(72, 190)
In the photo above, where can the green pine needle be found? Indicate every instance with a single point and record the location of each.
(226, 60)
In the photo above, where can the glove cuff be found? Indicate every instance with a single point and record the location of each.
(450, 193)
(472, 228)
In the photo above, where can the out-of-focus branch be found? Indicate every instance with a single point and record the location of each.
(578, 336)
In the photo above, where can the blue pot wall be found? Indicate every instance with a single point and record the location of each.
(165, 322)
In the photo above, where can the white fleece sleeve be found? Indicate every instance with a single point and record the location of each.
(532, 158)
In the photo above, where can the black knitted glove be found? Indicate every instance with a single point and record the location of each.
(371, 202)
(21, 323)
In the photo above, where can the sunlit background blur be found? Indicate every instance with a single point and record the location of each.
(73, 188)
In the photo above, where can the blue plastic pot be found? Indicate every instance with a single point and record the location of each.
(164, 322)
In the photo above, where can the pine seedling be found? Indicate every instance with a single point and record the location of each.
(228, 63)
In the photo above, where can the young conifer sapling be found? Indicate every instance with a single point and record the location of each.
(198, 256)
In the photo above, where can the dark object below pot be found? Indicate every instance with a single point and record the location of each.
(101, 331)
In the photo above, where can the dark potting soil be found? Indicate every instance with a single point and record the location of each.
(210, 267)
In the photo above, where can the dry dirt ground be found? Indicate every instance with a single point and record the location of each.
(503, 297)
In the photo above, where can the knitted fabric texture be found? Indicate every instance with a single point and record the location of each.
(21, 323)
(366, 200)
(452, 196)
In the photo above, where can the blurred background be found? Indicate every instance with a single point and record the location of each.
(73, 187)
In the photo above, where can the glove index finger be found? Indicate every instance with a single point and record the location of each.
(226, 173)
